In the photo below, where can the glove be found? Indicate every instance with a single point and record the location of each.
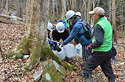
(90, 46)
(88, 51)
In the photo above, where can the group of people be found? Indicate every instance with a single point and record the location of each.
(100, 44)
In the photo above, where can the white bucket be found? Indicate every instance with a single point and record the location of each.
(70, 50)
(60, 54)
(78, 50)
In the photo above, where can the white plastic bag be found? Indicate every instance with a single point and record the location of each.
(70, 50)
(60, 54)
(78, 50)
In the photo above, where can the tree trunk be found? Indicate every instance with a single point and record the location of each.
(88, 9)
(114, 20)
(72, 4)
(2, 4)
(7, 7)
(18, 8)
(63, 3)
(121, 16)
(110, 9)
(35, 42)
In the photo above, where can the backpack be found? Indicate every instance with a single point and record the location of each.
(88, 30)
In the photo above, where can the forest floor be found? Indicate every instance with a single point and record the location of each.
(11, 69)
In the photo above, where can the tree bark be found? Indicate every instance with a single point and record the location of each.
(35, 42)
(63, 3)
(121, 16)
(2, 4)
(19, 9)
(7, 7)
(110, 9)
(114, 20)
(88, 9)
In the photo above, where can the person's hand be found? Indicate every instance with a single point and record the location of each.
(58, 43)
(61, 44)
(90, 46)
(88, 51)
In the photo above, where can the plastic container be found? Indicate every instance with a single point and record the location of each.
(60, 54)
(78, 50)
(70, 50)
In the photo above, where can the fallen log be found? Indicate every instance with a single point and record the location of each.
(10, 19)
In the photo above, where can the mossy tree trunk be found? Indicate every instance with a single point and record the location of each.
(36, 22)
(35, 43)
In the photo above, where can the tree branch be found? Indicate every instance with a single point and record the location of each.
(121, 25)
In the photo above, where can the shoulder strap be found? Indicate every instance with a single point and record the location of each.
(84, 24)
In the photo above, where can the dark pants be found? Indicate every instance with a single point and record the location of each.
(86, 53)
(83, 53)
(99, 58)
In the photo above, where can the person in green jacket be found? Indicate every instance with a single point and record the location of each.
(67, 22)
(101, 46)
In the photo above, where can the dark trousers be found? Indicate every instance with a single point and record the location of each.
(99, 58)
(83, 53)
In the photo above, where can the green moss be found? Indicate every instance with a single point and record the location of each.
(23, 47)
(34, 54)
(38, 50)
(49, 52)
(12, 55)
(26, 68)
(68, 66)
(56, 76)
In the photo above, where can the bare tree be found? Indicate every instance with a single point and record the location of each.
(114, 19)
(63, 3)
(121, 15)
(110, 9)
(88, 9)
(18, 8)
(35, 41)
(7, 7)
(2, 5)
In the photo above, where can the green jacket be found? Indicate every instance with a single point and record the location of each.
(107, 44)
(67, 22)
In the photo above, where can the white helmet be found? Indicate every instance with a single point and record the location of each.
(70, 14)
(60, 27)
(50, 26)
(78, 14)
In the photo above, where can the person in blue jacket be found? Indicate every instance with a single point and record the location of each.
(77, 29)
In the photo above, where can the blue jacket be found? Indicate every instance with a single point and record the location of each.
(76, 32)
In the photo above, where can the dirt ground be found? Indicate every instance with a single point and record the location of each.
(11, 70)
